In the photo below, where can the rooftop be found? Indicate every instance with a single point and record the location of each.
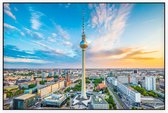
(98, 100)
(25, 96)
(11, 87)
(101, 86)
(55, 98)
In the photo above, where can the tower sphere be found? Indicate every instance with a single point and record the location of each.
(83, 43)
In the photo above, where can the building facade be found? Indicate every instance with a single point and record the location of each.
(24, 101)
(98, 102)
(150, 83)
(132, 95)
(54, 100)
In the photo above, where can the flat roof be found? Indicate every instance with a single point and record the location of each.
(25, 96)
(98, 100)
(11, 87)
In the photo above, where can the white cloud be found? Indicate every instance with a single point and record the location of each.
(34, 34)
(51, 39)
(67, 43)
(54, 34)
(56, 51)
(23, 60)
(6, 6)
(7, 11)
(13, 28)
(40, 35)
(10, 26)
(110, 22)
(67, 6)
(62, 32)
(35, 19)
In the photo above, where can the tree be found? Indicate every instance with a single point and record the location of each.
(32, 85)
(42, 82)
(87, 81)
(110, 106)
(114, 106)
(106, 91)
(134, 108)
(68, 103)
(111, 102)
(55, 76)
(144, 92)
(18, 92)
(9, 94)
(72, 96)
(68, 89)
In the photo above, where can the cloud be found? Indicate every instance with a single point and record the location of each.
(7, 26)
(35, 21)
(34, 34)
(7, 11)
(6, 6)
(52, 38)
(68, 5)
(125, 57)
(123, 54)
(138, 55)
(23, 60)
(54, 34)
(62, 32)
(67, 43)
(13, 51)
(110, 22)
(35, 18)
(56, 51)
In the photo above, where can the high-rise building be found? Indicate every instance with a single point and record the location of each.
(132, 95)
(43, 75)
(129, 78)
(133, 79)
(32, 77)
(122, 79)
(67, 80)
(150, 83)
(135, 71)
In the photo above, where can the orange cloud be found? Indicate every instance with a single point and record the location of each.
(128, 58)
(142, 63)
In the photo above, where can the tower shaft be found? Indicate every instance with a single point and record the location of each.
(83, 91)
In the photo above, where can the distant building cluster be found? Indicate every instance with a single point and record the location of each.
(45, 89)
(141, 81)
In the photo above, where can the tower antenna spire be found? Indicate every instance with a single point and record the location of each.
(83, 22)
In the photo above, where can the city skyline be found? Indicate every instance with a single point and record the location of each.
(119, 35)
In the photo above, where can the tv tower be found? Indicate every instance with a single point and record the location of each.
(83, 45)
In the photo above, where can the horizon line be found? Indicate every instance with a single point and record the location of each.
(86, 68)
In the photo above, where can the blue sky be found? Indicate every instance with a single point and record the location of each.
(48, 35)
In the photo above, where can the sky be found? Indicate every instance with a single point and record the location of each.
(118, 35)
